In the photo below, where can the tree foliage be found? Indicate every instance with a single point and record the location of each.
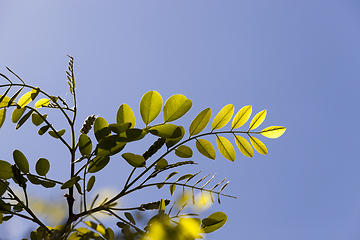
(91, 154)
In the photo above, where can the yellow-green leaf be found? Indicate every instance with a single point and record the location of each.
(172, 188)
(257, 120)
(134, 160)
(258, 145)
(176, 107)
(166, 130)
(223, 117)
(200, 122)
(2, 116)
(5, 101)
(205, 148)
(23, 119)
(42, 103)
(90, 183)
(69, 183)
(213, 222)
(98, 163)
(161, 164)
(226, 148)
(59, 133)
(244, 146)
(16, 114)
(172, 141)
(37, 119)
(21, 161)
(25, 99)
(85, 145)
(184, 152)
(125, 115)
(101, 128)
(42, 166)
(150, 106)
(273, 131)
(242, 116)
(5, 170)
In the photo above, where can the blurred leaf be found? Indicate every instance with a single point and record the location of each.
(172, 141)
(242, 116)
(257, 120)
(59, 133)
(176, 107)
(98, 163)
(223, 117)
(23, 119)
(42, 166)
(125, 115)
(37, 119)
(42, 103)
(120, 128)
(24, 99)
(21, 161)
(184, 152)
(134, 160)
(273, 131)
(213, 222)
(43, 130)
(3, 184)
(150, 106)
(161, 164)
(90, 183)
(16, 114)
(109, 234)
(2, 116)
(101, 128)
(166, 130)
(205, 148)
(85, 145)
(244, 146)
(129, 217)
(226, 148)
(5, 170)
(69, 183)
(172, 188)
(200, 122)
(258, 145)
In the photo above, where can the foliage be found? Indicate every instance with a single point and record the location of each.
(89, 155)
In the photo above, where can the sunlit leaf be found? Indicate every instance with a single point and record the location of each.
(69, 183)
(5, 170)
(226, 148)
(166, 130)
(85, 145)
(120, 128)
(223, 117)
(172, 188)
(23, 119)
(24, 99)
(134, 160)
(258, 145)
(161, 164)
(98, 163)
(130, 217)
(37, 119)
(273, 131)
(244, 146)
(150, 106)
(34, 93)
(5, 101)
(21, 161)
(242, 116)
(183, 152)
(200, 122)
(90, 183)
(2, 116)
(125, 115)
(12, 99)
(42, 103)
(176, 107)
(42, 166)
(205, 148)
(213, 222)
(172, 141)
(59, 133)
(101, 128)
(43, 130)
(257, 120)
(16, 114)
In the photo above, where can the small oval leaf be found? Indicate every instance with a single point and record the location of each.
(25, 99)
(90, 183)
(2, 116)
(223, 117)
(98, 163)
(242, 116)
(258, 145)
(166, 130)
(273, 131)
(226, 148)
(59, 133)
(213, 222)
(16, 114)
(5, 170)
(172, 188)
(244, 146)
(205, 148)
(134, 160)
(37, 119)
(125, 115)
(21, 161)
(69, 183)
(42, 103)
(130, 217)
(150, 106)
(23, 119)
(257, 120)
(183, 152)
(161, 164)
(176, 107)
(85, 145)
(42, 166)
(43, 130)
(200, 122)
(101, 128)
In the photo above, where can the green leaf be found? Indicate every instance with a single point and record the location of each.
(125, 115)
(109, 234)
(120, 128)
(161, 164)
(42, 103)
(16, 114)
(21, 161)
(172, 188)
(69, 183)
(33, 179)
(98, 163)
(258, 145)
(176, 107)
(110, 145)
(170, 175)
(47, 184)
(273, 131)
(12, 99)
(85, 145)
(43, 130)
(2, 116)
(172, 141)
(166, 130)
(241, 117)
(34, 93)
(226, 148)
(5, 170)
(223, 117)
(101, 128)
(25, 99)
(257, 120)
(23, 119)
(213, 222)
(37, 119)
(130, 217)
(150, 106)
(59, 133)
(186, 176)
(42, 166)
(244, 146)
(205, 148)
(200, 122)
(3, 185)
(134, 160)
(184, 152)
(90, 183)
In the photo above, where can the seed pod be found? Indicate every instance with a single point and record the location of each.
(86, 127)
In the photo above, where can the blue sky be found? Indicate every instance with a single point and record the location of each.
(297, 59)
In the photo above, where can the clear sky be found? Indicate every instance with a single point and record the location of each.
(300, 60)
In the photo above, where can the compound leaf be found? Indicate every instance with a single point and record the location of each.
(257, 120)
(258, 145)
(150, 106)
(226, 148)
(223, 117)
(273, 131)
(205, 148)
(242, 116)
(176, 107)
(244, 146)
(42, 166)
(125, 115)
(200, 122)
(183, 152)
(21, 161)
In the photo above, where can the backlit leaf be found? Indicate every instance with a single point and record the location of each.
(226, 148)
(90, 183)
(242, 116)
(69, 183)
(42, 166)
(59, 133)
(37, 119)
(5, 170)
(42, 103)
(134, 160)
(98, 163)
(110, 146)
(205, 148)
(85, 145)
(3, 185)
(16, 114)
(166, 130)
(21, 161)
(5, 101)
(273, 131)
(186, 176)
(101, 128)
(47, 184)
(172, 188)
(176, 107)
(244, 146)
(213, 222)
(2, 116)
(23, 119)
(258, 145)
(183, 152)
(25, 99)
(223, 117)
(130, 217)
(12, 99)
(257, 120)
(125, 115)
(200, 122)
(150, 106)
(161, 164)
(43, 130)
(120, 128)
(172, 141)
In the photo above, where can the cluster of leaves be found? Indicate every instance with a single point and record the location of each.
(87, 158)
